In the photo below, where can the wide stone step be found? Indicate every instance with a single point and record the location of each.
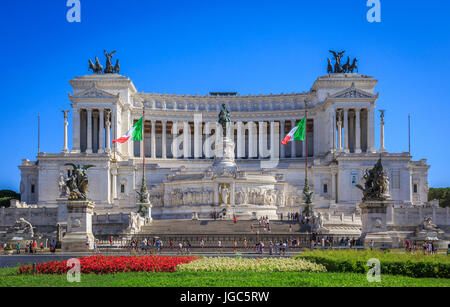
(219, 227)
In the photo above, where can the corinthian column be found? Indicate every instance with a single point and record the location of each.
(382, 148)
(293, 151)
(164, 140)
(186, 140)
(76, 131)
(371, 130)
(346, 134)
(101, 129)
(282, 148)
(262, 137)
(89, 131)
(108, 131)
(65, 148)
(274, 140)
(153, 140)
(197, 136)
(339, 130)
(358, 131)
(240, 140)
(252, 140)
(332, 130)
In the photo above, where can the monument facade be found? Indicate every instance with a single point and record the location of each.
(222, 151)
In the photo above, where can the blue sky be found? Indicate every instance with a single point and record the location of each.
(194, 47)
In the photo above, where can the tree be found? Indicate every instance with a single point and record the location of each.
(441, 194)
(6, 196)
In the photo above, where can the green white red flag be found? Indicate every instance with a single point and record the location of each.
(297, 133)
(134, 133)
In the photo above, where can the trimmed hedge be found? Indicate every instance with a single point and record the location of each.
(437, 266)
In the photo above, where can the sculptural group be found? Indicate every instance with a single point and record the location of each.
(78, 181)
(97, 68)
(338, 67)
(376, 186)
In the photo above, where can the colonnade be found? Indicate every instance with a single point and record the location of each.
(92, 128)
(351, 129)
(195, 139)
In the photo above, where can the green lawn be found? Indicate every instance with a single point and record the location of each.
(9, 277)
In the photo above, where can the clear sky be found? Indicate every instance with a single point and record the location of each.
(252, 47)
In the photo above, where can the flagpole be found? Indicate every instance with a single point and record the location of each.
(306, 140)
(143, 141)
(306, 191)
(39, 134)
(143, 194)
(409, 134)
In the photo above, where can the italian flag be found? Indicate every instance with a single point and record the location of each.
(134, 133)
(297, 133)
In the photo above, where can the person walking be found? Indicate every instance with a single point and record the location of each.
(188, 247)
(18, 248)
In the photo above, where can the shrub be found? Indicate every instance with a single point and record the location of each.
(397, 264)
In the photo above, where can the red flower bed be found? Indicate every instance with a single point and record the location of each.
(112, 264)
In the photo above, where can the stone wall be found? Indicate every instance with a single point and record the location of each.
(44, 220)
(115, 223)
(411, 217)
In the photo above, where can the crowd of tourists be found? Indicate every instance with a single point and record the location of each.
(29, 247)
(427, 247)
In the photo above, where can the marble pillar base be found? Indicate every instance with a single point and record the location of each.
(79, 237)
(148, 214)
(373, 218)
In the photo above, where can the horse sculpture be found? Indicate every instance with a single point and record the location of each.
(353, 67)
(330, 67)
(346, 66)
(117, 67)
(96, 68)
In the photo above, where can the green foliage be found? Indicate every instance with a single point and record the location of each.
(6, 196)
(10, 278)
(5, 201)
(9, 193)
(441, 194)
(417, 265)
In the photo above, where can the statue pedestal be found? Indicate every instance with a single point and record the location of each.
(373, 218)
(148, 213)
(79, 227)
(224, 163)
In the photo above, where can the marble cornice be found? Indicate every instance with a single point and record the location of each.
(112, 81)
(343, 80)
(266, 115)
